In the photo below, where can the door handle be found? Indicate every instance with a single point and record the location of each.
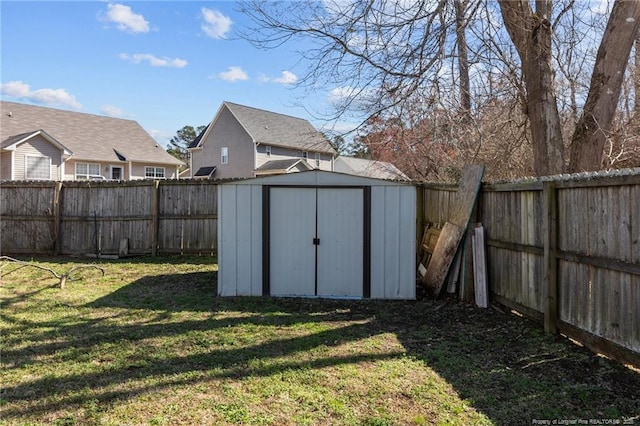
(316, 241)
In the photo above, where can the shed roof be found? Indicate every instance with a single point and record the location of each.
(316, 178)
(88, 136)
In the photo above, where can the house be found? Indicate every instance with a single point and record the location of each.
(39, 143)
(242, 141)
(368, 168)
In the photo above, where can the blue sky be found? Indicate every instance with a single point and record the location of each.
(165, 64)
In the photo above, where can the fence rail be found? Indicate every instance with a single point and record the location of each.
(563, 252)
(93, 217)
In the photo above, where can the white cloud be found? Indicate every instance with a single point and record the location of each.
(162, 137)
(126, 20)
(234, 74)
(154, 61)
(287, 78)
(216, 25)
(113, 111)
(20, 90)
(339, 94)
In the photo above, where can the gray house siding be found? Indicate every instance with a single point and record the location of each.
(226, 132)
(5, 166)
(37, 147)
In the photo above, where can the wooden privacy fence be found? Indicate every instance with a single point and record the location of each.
(564, 252)
(172, 216)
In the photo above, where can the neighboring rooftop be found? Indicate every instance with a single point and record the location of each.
(369, 168)
(271, 128)
(88, 136)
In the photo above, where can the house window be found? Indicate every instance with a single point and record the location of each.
(305, 155)
(38, 167)
(317, 159)
(86, 171)
(267, 150)
(154, 172)
(224, 155)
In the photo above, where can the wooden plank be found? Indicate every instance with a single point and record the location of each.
(454, 275)
(599, 345)
(480, 268)
(453, 230)
(123, 249)
(550, 280)
(155, 194)
(56, 216)
(467, 195)
(442, 258)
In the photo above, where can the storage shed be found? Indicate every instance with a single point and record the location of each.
(317, 234)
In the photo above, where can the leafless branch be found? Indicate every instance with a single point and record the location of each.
(62, 277)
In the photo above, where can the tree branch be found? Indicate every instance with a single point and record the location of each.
(62, 277)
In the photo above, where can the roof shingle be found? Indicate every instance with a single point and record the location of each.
(88, 136)
(271, 128)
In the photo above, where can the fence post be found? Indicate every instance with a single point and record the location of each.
(550, 240)
(154, 217)
(56, 217)
(419, 215)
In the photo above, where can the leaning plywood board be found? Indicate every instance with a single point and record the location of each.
(443, 255)
(453, 230)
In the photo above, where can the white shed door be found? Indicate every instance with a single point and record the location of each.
(340, 230)
(292, 230)
(316, 242)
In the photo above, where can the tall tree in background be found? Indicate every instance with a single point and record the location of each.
(179, 143)
(470, 61)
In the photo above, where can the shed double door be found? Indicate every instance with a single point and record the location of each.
(316, 242)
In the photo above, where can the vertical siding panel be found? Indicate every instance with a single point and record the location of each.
(405, 286)
(243, 239)
(391, 239)
(227, 258)
(378, 220)
(256, 240)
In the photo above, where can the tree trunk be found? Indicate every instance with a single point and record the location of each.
(531, 34)
(463, 62)
(591, 131)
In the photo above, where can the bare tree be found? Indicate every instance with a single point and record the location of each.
(599, 110)
(385, 59)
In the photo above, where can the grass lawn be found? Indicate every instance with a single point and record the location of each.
(150, 344)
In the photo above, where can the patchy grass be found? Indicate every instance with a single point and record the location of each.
(150, 344)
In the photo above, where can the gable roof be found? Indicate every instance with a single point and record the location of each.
(271, 128)
(369, 168)
(283, 166)
(12, 142)
(194, 143)
(88, 136)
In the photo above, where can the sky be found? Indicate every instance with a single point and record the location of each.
(164, 64)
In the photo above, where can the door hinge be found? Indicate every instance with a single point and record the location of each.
(316, 241)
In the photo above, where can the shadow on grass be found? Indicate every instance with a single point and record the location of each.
(503, 366)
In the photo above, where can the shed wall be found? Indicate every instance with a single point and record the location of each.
(393, 233)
